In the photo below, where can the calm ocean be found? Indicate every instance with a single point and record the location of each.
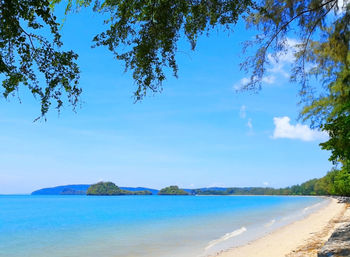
(135, 226)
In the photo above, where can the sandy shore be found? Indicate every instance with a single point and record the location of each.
(302, 238)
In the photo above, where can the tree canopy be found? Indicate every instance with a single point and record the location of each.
(172, 190)
(144, 35)
(29, 56)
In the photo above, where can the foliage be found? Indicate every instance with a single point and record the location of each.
(237, 191)
(342, 181)
(144, 34)
(26, 56)
(336, 182)
(172, 190)
(276, 20)
(339, 142)
(104, 188)
(143, 192)
(109, 188)
(331, 111)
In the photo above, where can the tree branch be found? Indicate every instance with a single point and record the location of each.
(296, 16)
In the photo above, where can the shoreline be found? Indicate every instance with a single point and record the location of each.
(301, 238)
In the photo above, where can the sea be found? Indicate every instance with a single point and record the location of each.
(141, 226)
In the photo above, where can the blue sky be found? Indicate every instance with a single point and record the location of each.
(198, 132)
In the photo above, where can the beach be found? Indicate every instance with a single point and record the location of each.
(302, 238)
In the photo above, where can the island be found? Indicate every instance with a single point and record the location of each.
(109, 188)
(172, 190)
(81, 189)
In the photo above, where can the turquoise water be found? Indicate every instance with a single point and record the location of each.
(126, 226)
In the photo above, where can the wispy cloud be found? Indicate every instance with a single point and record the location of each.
(244, 81)
(269, 79)
(277, 65)
(242, 112)
(250, 123)
(241, 84)
(283, 58)
(283, 129)
(243, 115)
(250, 127)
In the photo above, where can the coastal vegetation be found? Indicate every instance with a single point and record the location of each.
(109, 188)
(336, 182)
(172, 190)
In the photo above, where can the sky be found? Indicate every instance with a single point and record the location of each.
(198, 132)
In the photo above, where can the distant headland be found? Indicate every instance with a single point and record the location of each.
(109, 188)
(322, 186)
(82, 189)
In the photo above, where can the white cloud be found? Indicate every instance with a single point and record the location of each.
(283, 129)
(277, 67)
(269, 79)
(243, 115)
(242, 111)
(283, 58)
(241, 84)
(244, 81)
(266, 183)
(278, 64)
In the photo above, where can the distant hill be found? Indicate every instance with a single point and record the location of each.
(82, 189)
(203, 189)
(69, 191)
(213, 188)
(153, 191)
(109, 188)
(61, 189)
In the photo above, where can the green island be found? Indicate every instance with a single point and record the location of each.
(109, 188)
(172, 190)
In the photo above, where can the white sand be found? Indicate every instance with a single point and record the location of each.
(302, 238)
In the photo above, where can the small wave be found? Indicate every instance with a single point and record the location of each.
(269, 224)
(311, 207)
(286, 218)
(225, 237)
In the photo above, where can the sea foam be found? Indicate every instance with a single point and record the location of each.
(225, 237)
(311, 207)
(270, 223)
